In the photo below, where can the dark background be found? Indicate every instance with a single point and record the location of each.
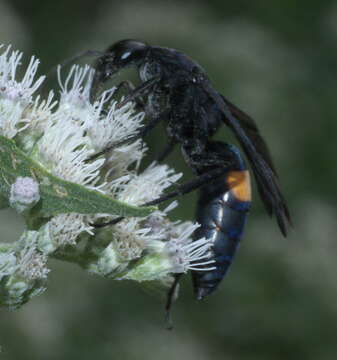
(276, 60)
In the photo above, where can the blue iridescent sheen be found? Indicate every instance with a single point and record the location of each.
(222, 217)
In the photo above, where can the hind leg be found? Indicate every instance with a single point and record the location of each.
(171, 296)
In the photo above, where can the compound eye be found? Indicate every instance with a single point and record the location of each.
(125, 55)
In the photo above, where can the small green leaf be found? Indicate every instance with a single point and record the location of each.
(57, 196)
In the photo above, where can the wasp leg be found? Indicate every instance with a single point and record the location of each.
(140, 90)
(166, 151)
(109, 223)
(142, 133)
(189, 186)
(129, 87)
(181, 190)
(171, 296)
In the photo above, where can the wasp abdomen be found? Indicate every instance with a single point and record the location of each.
(222, 212)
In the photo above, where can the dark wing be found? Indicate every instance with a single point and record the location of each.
(258, 154)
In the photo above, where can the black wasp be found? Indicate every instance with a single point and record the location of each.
(178, 92)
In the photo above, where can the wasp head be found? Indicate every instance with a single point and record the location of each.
(126, 52)
(118, 56)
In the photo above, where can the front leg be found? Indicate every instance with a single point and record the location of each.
(142, 133)
(129, 87)
(140, 90)
(151, 109)
(166, 151)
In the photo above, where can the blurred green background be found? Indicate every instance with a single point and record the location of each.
(277, 61)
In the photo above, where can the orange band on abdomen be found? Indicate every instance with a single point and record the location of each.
(239, 183)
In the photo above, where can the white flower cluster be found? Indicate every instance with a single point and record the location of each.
(7, 263)
(15, 95)
(63, 137)
(23, 270)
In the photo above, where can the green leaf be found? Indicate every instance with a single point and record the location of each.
(57, 196)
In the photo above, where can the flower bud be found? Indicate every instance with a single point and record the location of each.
(24, 194)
